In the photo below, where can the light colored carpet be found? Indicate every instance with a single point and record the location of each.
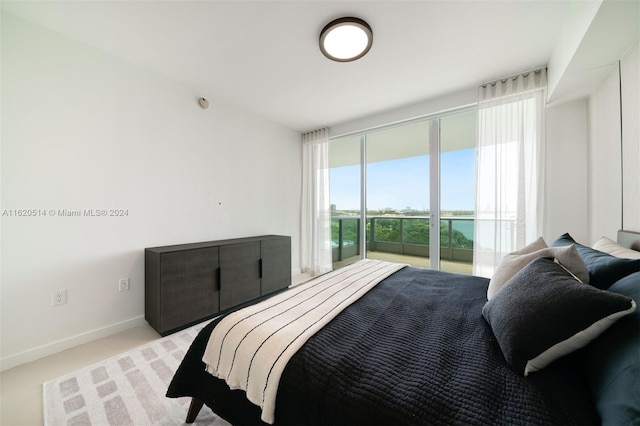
(127, 389)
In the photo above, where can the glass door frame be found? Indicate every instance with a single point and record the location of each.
(363, 196)
(434, 193)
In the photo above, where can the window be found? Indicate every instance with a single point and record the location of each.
(385, 185)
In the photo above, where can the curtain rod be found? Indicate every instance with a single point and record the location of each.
(513, 77)
(316, 130)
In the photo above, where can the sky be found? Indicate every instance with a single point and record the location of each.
(403, 183)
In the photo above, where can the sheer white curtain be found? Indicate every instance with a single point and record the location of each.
(509, 168)
(315, 250)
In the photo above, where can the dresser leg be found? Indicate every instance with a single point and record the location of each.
(194, 409)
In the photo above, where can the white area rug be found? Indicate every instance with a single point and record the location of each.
(127, 389)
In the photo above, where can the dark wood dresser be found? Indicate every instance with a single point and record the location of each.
(188, 283)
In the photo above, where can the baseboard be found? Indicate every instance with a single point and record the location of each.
(68, 343)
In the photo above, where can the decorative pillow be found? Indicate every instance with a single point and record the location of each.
(544, 313)
(567, 256)
(609, 246)
(604, 269)
(612, 363)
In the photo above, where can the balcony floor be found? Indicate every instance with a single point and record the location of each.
(421, 262)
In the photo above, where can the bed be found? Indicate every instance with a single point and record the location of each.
(428, 347)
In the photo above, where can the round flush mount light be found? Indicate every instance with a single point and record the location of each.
(346, 39)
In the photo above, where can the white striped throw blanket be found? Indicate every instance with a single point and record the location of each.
(250, 348)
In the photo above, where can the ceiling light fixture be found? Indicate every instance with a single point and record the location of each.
(346, 39)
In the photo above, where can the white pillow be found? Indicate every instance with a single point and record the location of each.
(512, 263)
(609, 246)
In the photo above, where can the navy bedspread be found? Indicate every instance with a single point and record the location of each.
(414, 350)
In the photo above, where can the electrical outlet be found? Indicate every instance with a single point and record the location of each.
(123, 285)
(59, 297)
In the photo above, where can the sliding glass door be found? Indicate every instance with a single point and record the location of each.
(405, 193)
(345, 182)
(397, 193)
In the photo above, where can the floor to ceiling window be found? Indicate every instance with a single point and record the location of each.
(386, 183)
(345, 198)
(397, 188)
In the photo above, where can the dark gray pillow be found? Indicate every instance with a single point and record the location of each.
(612, 363)
(604, 269)
(544, 313)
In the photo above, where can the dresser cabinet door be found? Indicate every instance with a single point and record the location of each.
(239, 273)
(276, 264)
(188, 283)
(189, 286)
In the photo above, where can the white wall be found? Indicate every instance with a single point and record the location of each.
(630, 75)
(84, 130)
(585, 193)
(577, 21)
(605, 155)
(566, 171)
(604, 159)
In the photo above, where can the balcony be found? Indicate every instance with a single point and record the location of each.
(404, 239)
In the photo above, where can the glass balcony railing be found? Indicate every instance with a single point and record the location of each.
(405, 235)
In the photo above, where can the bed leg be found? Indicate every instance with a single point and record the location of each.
(194, 409)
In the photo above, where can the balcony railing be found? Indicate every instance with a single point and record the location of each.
(405, 235)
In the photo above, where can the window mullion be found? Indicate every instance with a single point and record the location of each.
(434, 194)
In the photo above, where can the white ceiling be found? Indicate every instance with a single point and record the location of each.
(263, 56)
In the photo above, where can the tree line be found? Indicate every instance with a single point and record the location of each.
(414, 231)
